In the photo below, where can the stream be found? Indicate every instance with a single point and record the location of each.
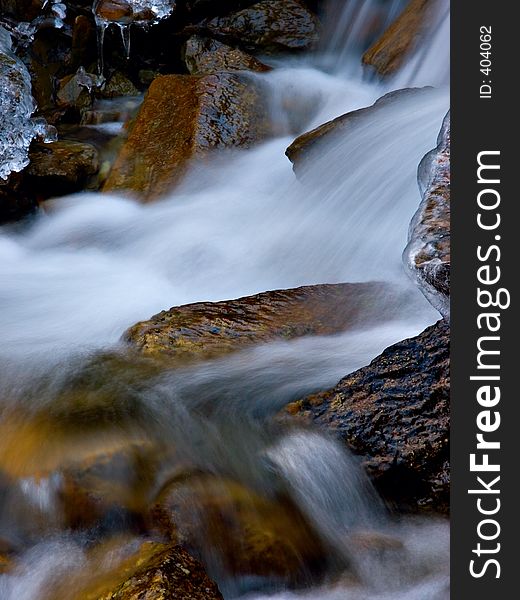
(77, 276)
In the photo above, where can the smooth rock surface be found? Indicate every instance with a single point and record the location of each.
(207, 329)
(307, 145)
(395, 413)
(183, 118)
(390, 51)
(427, 254)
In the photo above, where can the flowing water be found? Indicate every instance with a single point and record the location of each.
(76, 277)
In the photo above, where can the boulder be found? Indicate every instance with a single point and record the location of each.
(21, 10)
(395, 413)
(206, 56)
(427, 254)
(305, 147)
(207, 329)
(389, 52)
(183, 118)
(268, 25)
(156, 571)
(60, 167)
(245, 532)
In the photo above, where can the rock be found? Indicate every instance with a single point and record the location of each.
(427, 254)
(128, 11)
(118, 85)
(75, 91)
(183, 118)
(207, 329)
(84, 44)
(395, 413)
(244, 532)
(389, 52)
(305, 147)
(205, 56)
(155, 572)
(269, 25)
(61, 167)
(15, 201)
(21, 10)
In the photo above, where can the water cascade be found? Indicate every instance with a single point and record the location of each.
(77, 276)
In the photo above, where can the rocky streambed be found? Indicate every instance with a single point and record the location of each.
(280, 425)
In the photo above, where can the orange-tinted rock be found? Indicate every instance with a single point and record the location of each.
(206, 56)
(183, 118)
(250, 534)
(389, 52)
(428, 255)
(208, 329)
(395, 413)
(114, 10)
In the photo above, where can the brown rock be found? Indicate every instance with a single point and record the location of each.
(183, 118)
(21, 10)
(118, 85)
(388, 53)
(206, 56)
(114, 10)
(208, 329)
(306, 146)
(75, 91)
(155, 572)
(61, 166)
(268, 25)
(395, 413)
(427, 254)
(249, 533)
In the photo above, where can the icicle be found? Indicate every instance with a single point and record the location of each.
(125, 36)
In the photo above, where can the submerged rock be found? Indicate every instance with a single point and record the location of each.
(395, 413)
(305, 147)
(268, 25)
(389, 52)
(244, 532)
(155, 572)
(205, 56)
(427, 254)
(208, 329)
(183, 118)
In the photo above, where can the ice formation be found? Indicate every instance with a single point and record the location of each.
(17, 127)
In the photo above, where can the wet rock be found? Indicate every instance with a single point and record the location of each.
(61, 167)
(389, 52)
(208, 329)
(206, 56)
(155, 572)
(128, 11)
(395, 413)
(305, 147)
(269, 26)
(21, 10)
(427, 254)
(118, 85)
(84, 44)
(245, 532)
(184, 118)
(15, 201)
(75, 91)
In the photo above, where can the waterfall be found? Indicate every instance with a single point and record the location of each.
(89, 266)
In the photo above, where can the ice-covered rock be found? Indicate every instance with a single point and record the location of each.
(427, 254)
(17, 127)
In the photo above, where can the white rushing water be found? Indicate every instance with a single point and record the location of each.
(78, 275)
